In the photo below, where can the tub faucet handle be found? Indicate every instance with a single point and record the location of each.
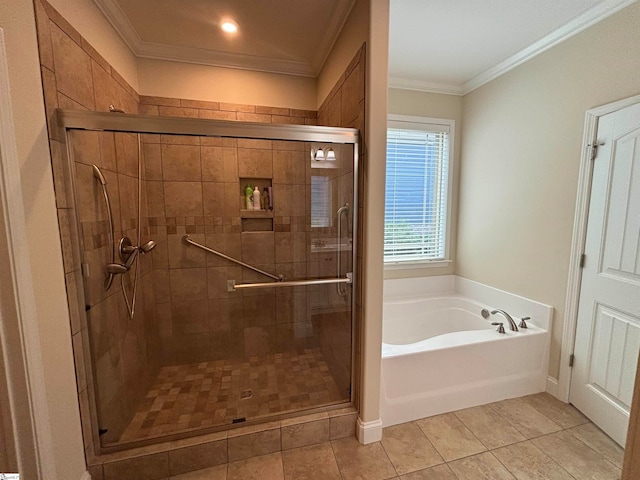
(523, 323)
(500, 327)
(512, 324)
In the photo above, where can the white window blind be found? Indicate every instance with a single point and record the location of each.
(320, 201)
(416, 197)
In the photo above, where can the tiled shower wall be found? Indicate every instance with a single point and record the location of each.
(75, 76)
(125, 352)
(195, 187)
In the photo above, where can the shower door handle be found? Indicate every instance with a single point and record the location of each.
(232, 286)
(341, 211)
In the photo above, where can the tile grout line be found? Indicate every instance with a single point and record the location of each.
(513, 444)
(591, 448)
(387, 454)
(333, 452)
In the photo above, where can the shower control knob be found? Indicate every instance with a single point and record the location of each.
(500, 327)
(523, 323)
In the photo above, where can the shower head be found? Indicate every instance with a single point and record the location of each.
(147, 247)
(98, 174)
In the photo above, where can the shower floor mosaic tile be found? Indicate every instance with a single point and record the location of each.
(201, 395)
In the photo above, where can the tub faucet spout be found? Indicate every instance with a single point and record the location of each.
(512, 324)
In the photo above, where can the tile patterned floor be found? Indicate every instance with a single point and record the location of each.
(201, 395)
(534, 437)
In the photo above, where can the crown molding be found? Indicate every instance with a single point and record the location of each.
(200, 56)
(338, 20)
(575, 26)
(425, 86)
(120, 22)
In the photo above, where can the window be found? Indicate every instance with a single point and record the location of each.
(320, 201)
(417, 190)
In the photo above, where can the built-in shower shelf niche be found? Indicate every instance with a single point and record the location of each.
(256, 225)
(261, 183)
(256, 213)
(255, 220)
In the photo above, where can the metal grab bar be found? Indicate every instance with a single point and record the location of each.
(187, 240)
(232, 287)
(344, 209)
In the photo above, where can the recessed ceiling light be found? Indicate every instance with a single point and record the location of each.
(229, 26)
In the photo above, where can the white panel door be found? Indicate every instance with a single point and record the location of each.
(608, 329)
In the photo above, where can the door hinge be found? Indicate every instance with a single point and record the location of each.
(594, 149)
(572, 357)
(583, 259)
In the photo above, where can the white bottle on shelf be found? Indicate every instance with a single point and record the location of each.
(256, 199)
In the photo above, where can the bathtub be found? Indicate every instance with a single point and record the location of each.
(439, 354)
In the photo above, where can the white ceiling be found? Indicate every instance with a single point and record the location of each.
(449, 46)
(454, 46)
(283, 36)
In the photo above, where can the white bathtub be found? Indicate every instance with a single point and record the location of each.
(439, 354)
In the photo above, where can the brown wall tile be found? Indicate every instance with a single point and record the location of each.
(303, 434)
(183, 199)
(127, 153)
(44, 36)
(199, 104)
(255, 163)
(190, 317)
(213, 195)
(197, 457)
(73, 69)
(217, 115)
(289, 167)
(188, 284)
(254, 444)
(181, 163)
(50, 91)
(217, 281)
(258, 247)
(178, 112)
(148, 467)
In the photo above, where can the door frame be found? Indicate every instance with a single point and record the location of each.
(19, 336)
(581, 216)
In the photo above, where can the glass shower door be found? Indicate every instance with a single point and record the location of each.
(210, 345)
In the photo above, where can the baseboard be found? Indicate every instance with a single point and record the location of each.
(369, 432)
(553, 387)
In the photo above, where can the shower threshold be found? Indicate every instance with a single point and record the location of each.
(193, 397)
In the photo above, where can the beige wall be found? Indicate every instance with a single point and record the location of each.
(434, 105)
(520, 159)
(185, 80)
(199, 82)
(354, 33)
(65, 449)
(87, 18)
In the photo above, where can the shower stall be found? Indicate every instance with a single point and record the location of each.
(203, 310)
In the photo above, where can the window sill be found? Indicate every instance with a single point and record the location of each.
(415, 265)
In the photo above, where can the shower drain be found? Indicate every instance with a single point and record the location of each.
(246, 394)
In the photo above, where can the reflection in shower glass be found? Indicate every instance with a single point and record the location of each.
(197, 356)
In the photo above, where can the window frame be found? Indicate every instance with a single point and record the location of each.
(422, 123)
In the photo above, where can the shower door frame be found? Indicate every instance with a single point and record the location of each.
(144, 124)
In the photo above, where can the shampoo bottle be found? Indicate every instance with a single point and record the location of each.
(256, 199)
(248, 197)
